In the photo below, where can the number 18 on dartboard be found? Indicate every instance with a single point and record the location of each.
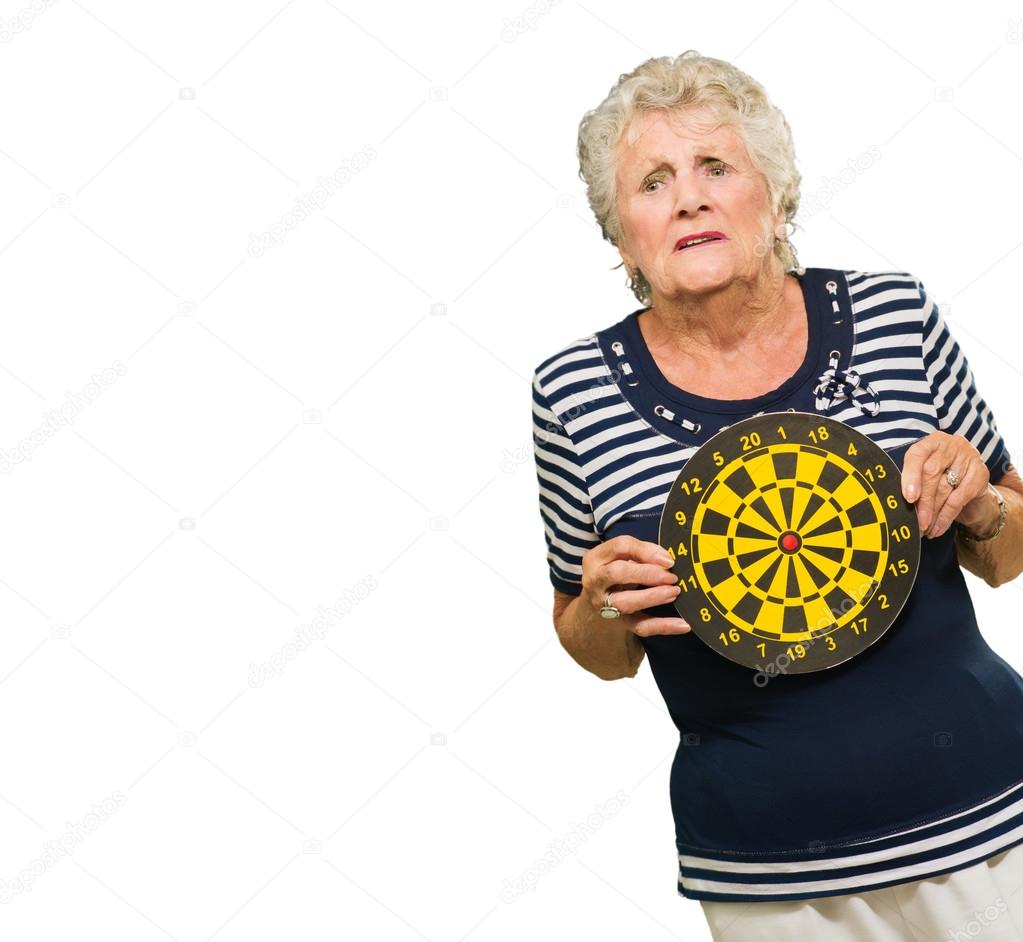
(792, 542)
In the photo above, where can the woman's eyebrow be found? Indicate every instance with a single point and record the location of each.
(661, 161)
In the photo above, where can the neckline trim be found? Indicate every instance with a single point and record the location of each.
(815, 305)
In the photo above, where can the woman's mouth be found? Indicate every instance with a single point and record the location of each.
(697, 239)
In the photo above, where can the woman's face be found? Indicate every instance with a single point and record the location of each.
(680, 178)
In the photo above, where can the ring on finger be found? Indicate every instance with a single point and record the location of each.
(953, 478)
(607, 610)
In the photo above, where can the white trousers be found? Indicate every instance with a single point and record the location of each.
(982, 903)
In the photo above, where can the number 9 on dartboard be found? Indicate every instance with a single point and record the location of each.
(794, 548)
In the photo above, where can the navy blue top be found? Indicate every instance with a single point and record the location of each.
(903, 762)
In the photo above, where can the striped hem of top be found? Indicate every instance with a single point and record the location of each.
(956, 841)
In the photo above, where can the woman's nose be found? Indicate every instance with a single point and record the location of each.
(690, 196)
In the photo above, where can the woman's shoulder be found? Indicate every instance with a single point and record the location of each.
(883, 298)
(574, 359)
(894, 284)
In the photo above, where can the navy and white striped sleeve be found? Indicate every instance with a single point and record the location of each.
(960, 408)
(564, 501)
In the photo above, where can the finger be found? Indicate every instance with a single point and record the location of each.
(660, 626)
(973, 483)
(623, 571)
(630, 601)
(629, 547)
(932, 477)
(913, 461)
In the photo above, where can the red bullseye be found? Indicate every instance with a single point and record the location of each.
(789, 542)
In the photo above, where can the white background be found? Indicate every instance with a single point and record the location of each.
(347, 416)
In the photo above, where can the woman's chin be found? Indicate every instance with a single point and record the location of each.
(700, 281)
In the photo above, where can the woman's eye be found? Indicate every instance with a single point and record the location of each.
(712, 165)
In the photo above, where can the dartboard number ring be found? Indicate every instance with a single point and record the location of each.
(794, 548)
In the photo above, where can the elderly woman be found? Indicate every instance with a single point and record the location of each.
(878, 799)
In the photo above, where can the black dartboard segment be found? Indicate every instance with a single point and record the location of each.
(793, 545)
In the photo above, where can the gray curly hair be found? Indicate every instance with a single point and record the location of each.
(670, 84)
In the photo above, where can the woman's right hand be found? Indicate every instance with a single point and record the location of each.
(638, 575)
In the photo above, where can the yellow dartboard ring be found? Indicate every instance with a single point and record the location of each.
(793, 545)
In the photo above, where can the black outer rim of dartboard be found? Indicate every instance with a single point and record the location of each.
(887, 597)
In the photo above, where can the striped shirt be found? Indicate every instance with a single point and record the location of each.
(902, 763)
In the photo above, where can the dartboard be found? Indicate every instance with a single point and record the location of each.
(793, 545)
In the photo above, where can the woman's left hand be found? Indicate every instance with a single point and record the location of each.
(938, 503)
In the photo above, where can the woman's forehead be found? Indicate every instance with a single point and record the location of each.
(654, 129)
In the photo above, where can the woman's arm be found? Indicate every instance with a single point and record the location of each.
(607, 647)
(638, 575)
(963, 414)
(1001, 560)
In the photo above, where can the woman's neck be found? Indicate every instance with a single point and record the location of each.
(719, 322)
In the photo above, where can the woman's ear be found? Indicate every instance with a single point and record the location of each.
(779, 220)
(630, 266)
